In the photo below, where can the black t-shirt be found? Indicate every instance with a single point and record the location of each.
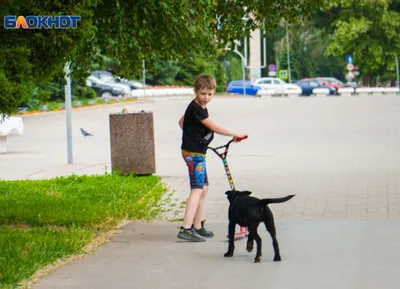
(195, 136)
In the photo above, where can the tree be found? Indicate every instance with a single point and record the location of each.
(191, 67)
(162, 73)
(307, 59)
(131, 31)
(233, 67)
(366, 29)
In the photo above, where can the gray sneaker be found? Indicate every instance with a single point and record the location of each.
(203, 231)
(189, 235)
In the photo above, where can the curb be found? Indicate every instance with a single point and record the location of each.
(130, 101)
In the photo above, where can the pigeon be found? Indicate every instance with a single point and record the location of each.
(85, 133)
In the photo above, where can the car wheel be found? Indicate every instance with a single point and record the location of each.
(105, 94)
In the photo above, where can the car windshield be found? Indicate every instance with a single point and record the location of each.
(107, 78)
(333, 81)
(241, 82)
(337, 82)
(95, 80)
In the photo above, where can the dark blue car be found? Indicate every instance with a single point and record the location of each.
(307, 87)
(237, 87)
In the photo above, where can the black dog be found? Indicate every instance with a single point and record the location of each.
(250, 212)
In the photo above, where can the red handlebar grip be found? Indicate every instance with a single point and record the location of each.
(242, 138)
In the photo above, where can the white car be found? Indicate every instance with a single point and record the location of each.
(277, 86)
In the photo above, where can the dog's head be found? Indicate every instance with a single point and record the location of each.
(232, 195)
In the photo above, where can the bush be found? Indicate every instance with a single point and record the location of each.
(84, 92)
(55, 92)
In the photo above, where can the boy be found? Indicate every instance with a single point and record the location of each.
(197, 133)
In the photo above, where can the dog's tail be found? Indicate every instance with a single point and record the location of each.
(265, 202)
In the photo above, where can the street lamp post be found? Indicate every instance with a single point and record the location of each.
(144, 78)
(68, 111)
(288, 52)
(243, 66)
(397, 71)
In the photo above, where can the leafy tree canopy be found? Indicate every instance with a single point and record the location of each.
(367, 29)
(130, 31)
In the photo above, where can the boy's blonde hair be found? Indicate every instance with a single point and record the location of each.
(205, 81)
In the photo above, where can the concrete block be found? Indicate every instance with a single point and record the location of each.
(132, 143)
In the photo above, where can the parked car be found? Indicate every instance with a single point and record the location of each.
(101, 73)
(107, 77)
(133, 84)
(307, 86)
(336, 82)
(102, 88)
(238, 87)
(329, 81)
(277, 85)
(323, 82)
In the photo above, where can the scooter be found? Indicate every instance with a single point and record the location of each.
(243, 232)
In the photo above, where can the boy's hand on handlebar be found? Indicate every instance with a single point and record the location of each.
(239, 137)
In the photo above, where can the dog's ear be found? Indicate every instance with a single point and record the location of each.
(229, 193)
(247, 193)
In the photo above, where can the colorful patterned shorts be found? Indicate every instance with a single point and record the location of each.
(196, 164)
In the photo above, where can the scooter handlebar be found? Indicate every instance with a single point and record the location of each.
(226, 146)
(242, 138)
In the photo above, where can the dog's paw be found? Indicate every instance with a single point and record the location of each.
(228, 254)
(250, 247)
(277, 258)
(257, 259)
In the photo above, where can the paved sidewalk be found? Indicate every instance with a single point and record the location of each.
(315, 255)
(339, 155)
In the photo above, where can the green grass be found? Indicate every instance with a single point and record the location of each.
(44, 220)
(23, 251)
